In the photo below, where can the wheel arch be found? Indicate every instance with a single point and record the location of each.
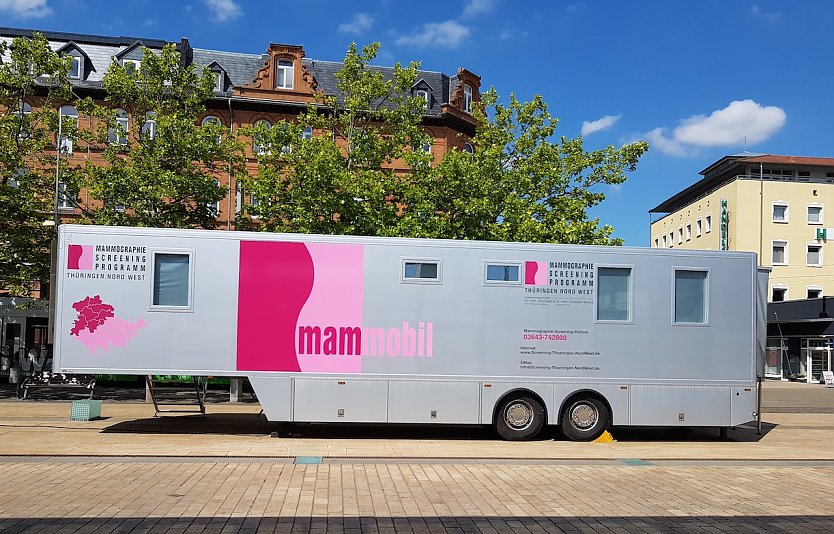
(515, 393)
(583, 393)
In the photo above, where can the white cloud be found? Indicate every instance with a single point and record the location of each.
(473, 8)
(25, 8)
(600, 124)
(449, 33)
(740, 121)
(358, 24)
(770, 16)
(224, 10)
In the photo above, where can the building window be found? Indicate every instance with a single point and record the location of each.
(688, 231)
(259, 138)
(698, 227)
(614, 294)
(65, 141)
(813, 257)
(422, 93)
(814, 213)
(664, 240)
(307, 132)
(467, 147)
(76, 71)
(131, 66)
(680, 235)
(690, 297)
(219, 82)
(211, 119)
(425, 271)
(216, 206)
(149, 126)
(778, 293)
(813, 292)
(283, 74)
(64, 199)
(780, 212)
(708, 223)
(803, 176)
(656, 244)
(467, 99)
(671, 239)
(780, 253)
(171, 280)
(117, 134)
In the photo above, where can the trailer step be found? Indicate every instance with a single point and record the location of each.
(200, 385)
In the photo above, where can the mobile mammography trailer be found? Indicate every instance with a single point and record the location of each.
(361, 329)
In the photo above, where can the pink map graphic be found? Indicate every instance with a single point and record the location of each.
(98, 327)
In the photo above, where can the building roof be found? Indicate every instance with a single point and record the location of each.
(240, 68)
(728, 169)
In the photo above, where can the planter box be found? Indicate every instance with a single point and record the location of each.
(85, 410)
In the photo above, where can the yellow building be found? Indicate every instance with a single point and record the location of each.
(768, 204)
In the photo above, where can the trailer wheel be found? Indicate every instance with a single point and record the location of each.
(519, 418)
(585, 419)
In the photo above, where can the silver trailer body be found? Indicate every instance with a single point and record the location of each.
(353, 329)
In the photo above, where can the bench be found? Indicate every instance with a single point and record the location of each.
(56, 380)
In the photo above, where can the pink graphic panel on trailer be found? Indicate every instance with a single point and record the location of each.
(535, 273)
(336, 301)
(275, 281)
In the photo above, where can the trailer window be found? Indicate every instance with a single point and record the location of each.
(171, 273)
(421, 271)
(690, 296)
(614, 294)
(499, 273)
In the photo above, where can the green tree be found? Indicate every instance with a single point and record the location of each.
(344, 179)
(33, 84)
(518, 185)
(158, 165)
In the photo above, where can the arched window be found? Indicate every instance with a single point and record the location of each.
(259, 142)
(467, 147)
(307, 133)
(117, 134)
(422, 93)
(211, 119)
(467, 99)
(69, 118)
(284, 74)
(149, 126)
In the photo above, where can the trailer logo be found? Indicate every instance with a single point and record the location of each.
(535, 273)
(80, 257)
(98, 327)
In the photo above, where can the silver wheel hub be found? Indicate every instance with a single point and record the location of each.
(518, 415)
(583, 415)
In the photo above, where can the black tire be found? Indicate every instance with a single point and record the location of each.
(519, 418)
(585, 419)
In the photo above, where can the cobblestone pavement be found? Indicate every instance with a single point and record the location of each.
(232, 496)
(131, 472)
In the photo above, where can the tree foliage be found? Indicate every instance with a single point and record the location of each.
(33, 84)
(519, 185)
(158, 166)
(346, 179)
(365, 173)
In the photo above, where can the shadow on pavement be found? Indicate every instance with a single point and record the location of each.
(645, 524)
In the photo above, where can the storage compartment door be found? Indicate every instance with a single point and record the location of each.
(743, 402)
(428, 401)
(680, 406)
(334, 400)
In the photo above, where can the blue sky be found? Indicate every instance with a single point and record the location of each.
(692, 78)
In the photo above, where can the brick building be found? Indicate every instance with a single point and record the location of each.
(250, 88)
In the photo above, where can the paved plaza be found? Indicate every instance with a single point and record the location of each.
(225, 472)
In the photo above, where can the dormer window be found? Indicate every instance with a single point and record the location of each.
(467, 99)
(422, 93)
(76, 71)
(283, 74)
(131, 66)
